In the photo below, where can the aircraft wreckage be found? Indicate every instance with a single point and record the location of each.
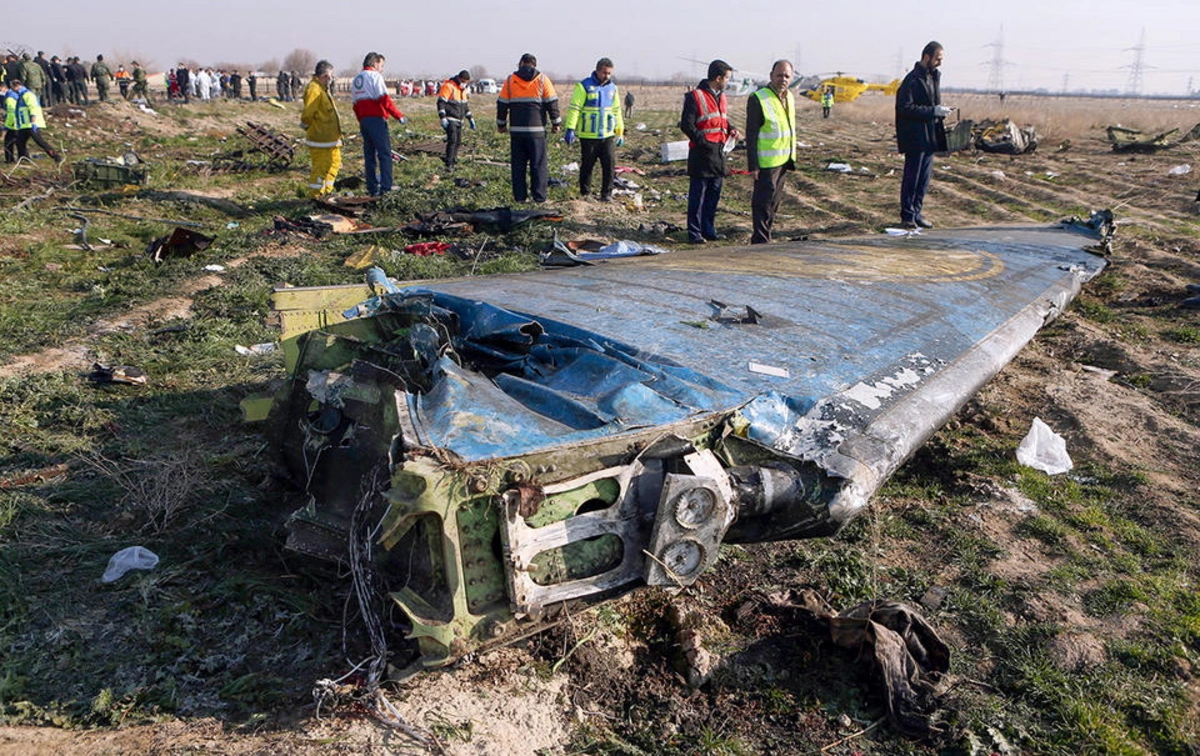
(515, 442)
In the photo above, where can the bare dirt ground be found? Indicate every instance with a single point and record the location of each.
(1140, 415)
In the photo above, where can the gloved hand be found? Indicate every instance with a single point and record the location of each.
(445, 123)
(620, 141)
(403, 120)
(34, 128)
(941, 111)
(569, 137)
(472, 122)
(502, 128)
(555, 128)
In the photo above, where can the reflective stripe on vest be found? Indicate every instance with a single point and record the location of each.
(777, 138)
(711, 121)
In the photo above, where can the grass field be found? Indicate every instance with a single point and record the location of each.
(1070, 603)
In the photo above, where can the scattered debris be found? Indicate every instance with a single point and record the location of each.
(584, 252)
(1132, 140)
(269, 151)
(36, 477)
(426, 249)
(182, 242)
(110, 173)
(658, 228)
(1005, 138)
(1180, 170)
(257, 350)
(899, 645)
(214, 268)
(1043, 449)
(674, 151)
(462, 221)
(132, 558)
(126, 374)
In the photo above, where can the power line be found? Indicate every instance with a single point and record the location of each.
(1134, 87)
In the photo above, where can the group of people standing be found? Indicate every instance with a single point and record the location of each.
(56, 80)
(771, 143)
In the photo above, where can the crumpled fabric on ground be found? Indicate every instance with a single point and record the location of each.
(904, 652)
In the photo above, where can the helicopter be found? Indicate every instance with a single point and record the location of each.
(845, 88)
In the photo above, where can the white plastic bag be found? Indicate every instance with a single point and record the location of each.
(1043, 449)
(132, 558)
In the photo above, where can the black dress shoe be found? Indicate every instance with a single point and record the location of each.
(923, 223)
(697, 241)
(715, 237)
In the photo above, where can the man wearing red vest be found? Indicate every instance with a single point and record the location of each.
(705, 121)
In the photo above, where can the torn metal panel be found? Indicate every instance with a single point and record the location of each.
(568, 434)
(1132, 140)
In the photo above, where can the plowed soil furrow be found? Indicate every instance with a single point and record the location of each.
(832, 200)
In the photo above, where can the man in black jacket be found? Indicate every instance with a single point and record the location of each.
(705, 121)
(920, 132)
(58, 80)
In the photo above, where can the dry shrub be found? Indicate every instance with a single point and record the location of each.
(155, 491)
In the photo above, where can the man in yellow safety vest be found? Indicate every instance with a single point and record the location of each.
(770, 147)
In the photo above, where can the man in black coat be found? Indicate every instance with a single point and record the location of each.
(47, 93)
(920, 132)
(58, 80)
(183, 78)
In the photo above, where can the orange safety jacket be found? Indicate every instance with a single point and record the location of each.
(713, 119)
(525, 105)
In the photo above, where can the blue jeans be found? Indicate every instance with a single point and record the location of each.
(703, 196)
(918, 167)
(377, 149)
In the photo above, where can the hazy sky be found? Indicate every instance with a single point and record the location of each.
(1046, 44)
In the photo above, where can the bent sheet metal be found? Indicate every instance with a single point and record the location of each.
(570, 434)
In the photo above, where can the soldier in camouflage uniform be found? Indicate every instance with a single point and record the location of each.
(102, 75)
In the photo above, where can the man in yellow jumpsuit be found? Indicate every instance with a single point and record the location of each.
(322, 131)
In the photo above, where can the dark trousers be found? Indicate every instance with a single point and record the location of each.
(47, 96)
(604, 150)
(377, 154)
(703, 196)
(124, 85)
(56, 92)
(80, 88)
(254, 90)
(453, 140)
(918, 167)
(529, 154)
(768, 193)
(16, 144)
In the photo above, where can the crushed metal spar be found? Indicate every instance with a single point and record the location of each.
(570, 434)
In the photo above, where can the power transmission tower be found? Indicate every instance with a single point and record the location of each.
(996, 66)
(1066, 83)
(1134, 87)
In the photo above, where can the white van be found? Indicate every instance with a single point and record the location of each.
(489, 86)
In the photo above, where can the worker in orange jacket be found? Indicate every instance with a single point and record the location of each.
(453, 108)
(526, 105)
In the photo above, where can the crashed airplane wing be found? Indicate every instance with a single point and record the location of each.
(570, 434)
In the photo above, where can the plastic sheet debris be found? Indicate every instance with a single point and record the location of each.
(840, 168)
(257, 350)
(181, 242)
(902, 231)
(132, 558)
(998, 175)
(126, 374)
(571, 168)
(1180, 170)
(214, 268)
(1043, 449)
(587, 251)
